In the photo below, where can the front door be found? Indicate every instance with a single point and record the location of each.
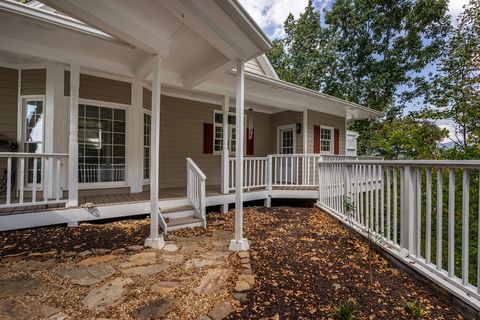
(286, 146)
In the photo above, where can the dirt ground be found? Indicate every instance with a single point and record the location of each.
(305, 264)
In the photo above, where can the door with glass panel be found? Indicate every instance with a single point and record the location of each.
(33, 140)
(286, 145)
(101, 144)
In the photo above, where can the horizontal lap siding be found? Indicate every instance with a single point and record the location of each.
(34, 81)
(254, 66)
(102, 89)
(8, 107)
(322, 119)
(262, 131)
(282, 119)
(181, 136)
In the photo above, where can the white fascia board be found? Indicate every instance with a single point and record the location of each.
(267, 66)
(54, 18)
(312, 93)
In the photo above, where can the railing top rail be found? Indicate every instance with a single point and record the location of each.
(32, 155)
(325, 156)
(412, 163)
(196, 168)
(251, 158)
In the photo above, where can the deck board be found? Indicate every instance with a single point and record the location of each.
(108, 199)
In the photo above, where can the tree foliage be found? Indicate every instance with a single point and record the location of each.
(370, 52)
(455, 88)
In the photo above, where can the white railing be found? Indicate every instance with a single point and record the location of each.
(196, 189)
(283, 170)
(410, 207)
(91, 173)
(255, 172)
(31, 179)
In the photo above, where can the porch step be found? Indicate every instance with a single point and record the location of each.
(184, 222)
(167, 210)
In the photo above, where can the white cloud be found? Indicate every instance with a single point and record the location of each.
(455, 7)
(271, 14)
(450, 126)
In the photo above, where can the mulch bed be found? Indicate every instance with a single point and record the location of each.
(306, 264)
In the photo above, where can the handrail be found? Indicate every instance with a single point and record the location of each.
(196, 168)
(196, 194)
(415, 163)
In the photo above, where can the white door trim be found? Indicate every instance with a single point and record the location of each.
(290, 126)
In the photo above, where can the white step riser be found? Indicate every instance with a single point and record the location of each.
(179, 214)
(183, 226)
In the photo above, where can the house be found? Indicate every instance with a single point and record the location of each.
(122, 109)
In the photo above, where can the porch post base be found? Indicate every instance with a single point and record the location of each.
(240, 245)
(225, 208)
(268, 202)
(156, 243)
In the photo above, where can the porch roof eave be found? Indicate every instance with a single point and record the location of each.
(358, 111)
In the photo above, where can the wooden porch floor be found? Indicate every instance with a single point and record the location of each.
(104, 198)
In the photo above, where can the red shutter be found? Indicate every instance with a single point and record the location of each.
(208, 138)
(316, 139)
(336, 141)
(250, 144)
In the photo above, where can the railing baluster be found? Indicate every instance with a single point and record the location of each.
(419, 210)
(389, 207)
(465, 225)
(9, 179)
(451, 222)
(382, 200)
(34, 181)
(395, 205)
(377, 200)
(428, 216)
(439, 218)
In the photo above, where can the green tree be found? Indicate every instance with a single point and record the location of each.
(370, 52)
(455, 88)
(407, 137)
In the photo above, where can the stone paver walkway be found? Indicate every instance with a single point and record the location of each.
(196, 272)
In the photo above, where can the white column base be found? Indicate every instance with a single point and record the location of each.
(157, 243)
(72, 224)
(268, 202)
(241, 245)
(225, 208)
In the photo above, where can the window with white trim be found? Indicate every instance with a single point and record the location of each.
(147, 122)
(326, 139)
(101, 143)
(218, 132)
(33, 134)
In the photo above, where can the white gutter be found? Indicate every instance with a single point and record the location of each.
(55, 19)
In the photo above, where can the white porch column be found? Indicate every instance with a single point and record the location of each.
(239, 243)
(55, 125)
(73, 138)
(135, 142)
(155, 240)
(305, 131)
(225, 151)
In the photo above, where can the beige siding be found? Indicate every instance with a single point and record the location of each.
(282, 119)
(34, 81)
(102, 89)
(263, 140)
(254, 66)
(8, 102)
(319, 119)
(147, 99)
(181, 136)
(8, 108)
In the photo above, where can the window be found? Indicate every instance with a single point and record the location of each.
(326, 139)
(101, 144)
(147, 122)
(33, 134)
(218, 132)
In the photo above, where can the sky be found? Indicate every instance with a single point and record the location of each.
(271, 14)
